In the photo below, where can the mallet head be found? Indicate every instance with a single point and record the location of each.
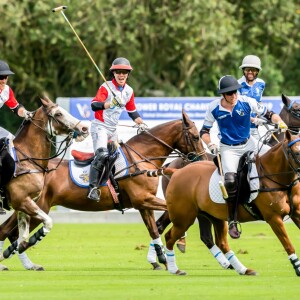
(59, 8)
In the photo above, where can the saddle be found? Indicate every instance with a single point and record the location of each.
(82, 159)
(243, 183)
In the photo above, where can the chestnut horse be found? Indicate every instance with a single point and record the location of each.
(145, 151)
(290, 114)
(188, 196)
(31, 148)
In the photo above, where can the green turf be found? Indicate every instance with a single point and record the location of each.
(108, 261)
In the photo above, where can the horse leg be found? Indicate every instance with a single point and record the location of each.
(2, 267)
(278, 228)
(149, 220)
(221, 229)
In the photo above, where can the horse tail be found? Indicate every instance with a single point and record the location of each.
(161, 172)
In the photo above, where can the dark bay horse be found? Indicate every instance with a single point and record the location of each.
(290, 114)
(145, 151)
(32, 146)
(188, 197)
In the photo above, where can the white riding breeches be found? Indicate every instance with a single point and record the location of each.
(102, 134)
(231, 154)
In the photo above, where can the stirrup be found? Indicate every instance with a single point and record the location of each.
(94, 194)
(234, 229)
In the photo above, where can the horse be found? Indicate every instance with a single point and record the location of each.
(32, 151)
(188, 195)
(290, 114)
(145, 151)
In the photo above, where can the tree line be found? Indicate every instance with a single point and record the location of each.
(176, 47)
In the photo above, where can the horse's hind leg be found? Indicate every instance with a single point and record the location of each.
(220, 228)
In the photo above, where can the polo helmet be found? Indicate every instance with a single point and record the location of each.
(4, 68)
(227, 84)
(251, 61)
(121, 63)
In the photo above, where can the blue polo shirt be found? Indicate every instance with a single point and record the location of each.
(234, 126)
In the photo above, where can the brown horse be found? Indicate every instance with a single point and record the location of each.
(290, 114)
(278, 196)
(32, 146)
(145, 151)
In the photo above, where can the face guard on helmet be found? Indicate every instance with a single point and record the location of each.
(121, 63)
(228, 84)
(4, 69)
(251, 61)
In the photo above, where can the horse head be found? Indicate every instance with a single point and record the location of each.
(290, 113)
(60, 122)
(190, 143)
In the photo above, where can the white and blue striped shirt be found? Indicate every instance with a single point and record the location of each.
(234, 126)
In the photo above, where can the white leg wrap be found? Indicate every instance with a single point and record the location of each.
(26, 262)
(238, 266)
(151, 256)
(171, 261)
(158, 241)
(219, 256)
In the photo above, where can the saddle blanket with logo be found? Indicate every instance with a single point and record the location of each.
(215, 192)
(80, 174)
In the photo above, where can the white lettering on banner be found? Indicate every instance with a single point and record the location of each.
(196, 106)
(84, 110)
(165, 106)
(146, 106)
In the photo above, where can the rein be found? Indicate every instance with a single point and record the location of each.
(150, 159)
(284, 187)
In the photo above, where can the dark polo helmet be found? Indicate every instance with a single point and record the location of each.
(121, 63)
(227, 84)
(4, 68)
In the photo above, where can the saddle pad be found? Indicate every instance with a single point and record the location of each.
(80, 175)
(215, 190)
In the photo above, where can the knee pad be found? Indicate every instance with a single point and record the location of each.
(100, 156)
(230, 181)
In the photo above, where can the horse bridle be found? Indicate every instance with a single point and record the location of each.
(50, 134)
(295, 113)
(287, 153)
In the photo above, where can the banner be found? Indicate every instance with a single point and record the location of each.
(161, 108)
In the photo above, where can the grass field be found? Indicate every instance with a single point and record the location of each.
(108, 261)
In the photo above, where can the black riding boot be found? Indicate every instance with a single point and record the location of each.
(231, 188)
(94, 191)
(96, 170)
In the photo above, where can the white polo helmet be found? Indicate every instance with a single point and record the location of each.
(251, 61)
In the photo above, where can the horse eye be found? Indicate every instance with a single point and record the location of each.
(196, 138)
(59, 114)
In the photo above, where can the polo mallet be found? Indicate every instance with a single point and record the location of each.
(61, 9)
(221, 182)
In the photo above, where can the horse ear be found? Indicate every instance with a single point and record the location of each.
(45, 99)
(288, 135)
(185, 117)
(286, 101)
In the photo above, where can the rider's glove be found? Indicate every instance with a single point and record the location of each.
(27, 114)
(259, 121)
(116, 102)
(282, 126)
(213, 148)
(142, 127)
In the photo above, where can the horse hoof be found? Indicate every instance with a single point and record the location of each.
(251, 272)
(179, 272)
(36, 268)
(3, 268)
(181, 247)
(156, 266)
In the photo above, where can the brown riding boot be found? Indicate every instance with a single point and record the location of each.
(232, 225)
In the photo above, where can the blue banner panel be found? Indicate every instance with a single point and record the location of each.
(165, 108)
